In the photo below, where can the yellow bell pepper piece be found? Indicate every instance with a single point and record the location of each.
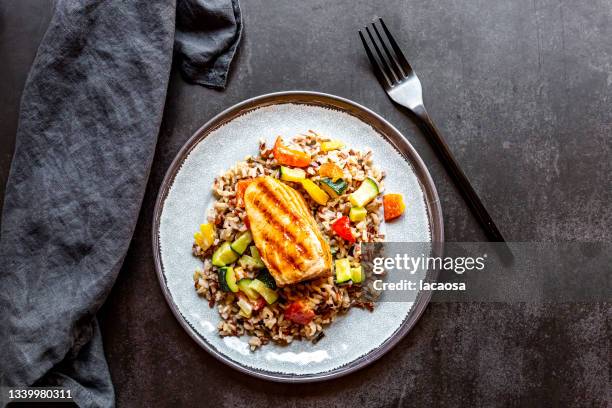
(332, 145)
(315, 192)
(206, 236)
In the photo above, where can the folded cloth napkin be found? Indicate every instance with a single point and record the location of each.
(90, 113)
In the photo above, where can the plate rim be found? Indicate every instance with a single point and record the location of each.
(391, 135)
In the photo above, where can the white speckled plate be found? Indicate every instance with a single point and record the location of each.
(355, 339)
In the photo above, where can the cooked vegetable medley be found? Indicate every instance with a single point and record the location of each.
(282, 245)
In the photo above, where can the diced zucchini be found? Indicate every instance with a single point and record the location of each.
(334, 188)
(253, 261)
(315, 192)
(224, 255)
(255, 252)
(206, 236)
(248, 262)
(246, 309)
(358, 214)
(367, 191)
(332, 145)
(289, 174)
(243, 241)
(243, 285)
(268, 294)
(267, 278)
(343, 270)
(227, 279)
(357, 275)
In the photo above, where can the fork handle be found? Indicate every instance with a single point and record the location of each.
(458, 176)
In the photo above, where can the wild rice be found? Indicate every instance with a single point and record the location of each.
(326, 298)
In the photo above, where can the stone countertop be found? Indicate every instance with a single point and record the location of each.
(522, 92)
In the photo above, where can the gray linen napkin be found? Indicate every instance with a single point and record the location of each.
(90, 115)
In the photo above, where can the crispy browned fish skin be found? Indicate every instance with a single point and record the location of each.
(285, 233)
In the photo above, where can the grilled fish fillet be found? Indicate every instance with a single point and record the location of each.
(285, 233)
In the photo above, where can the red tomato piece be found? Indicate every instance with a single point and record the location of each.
(342, 228)
(298, 313)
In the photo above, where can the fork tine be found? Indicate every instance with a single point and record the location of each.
(397, 70)
(388, 71)
(380, 75)
(398, 52)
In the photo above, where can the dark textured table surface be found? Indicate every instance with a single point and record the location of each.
(521, 89)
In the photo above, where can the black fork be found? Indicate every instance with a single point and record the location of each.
(403, 87)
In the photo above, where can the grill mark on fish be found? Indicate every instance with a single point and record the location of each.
(270, 194)
(267, 193)
(291, 259)
(280, 245)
